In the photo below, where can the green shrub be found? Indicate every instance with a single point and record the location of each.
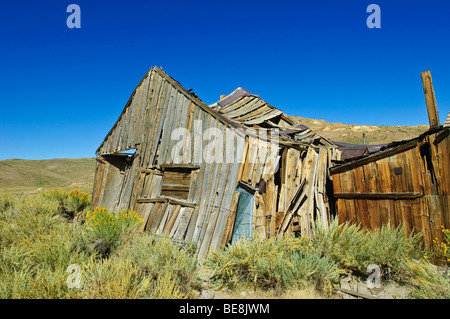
(6, 202)
(163, 262)
(28, 219)
(388, 247)
(42, 284)
(79, 200)
(313, 268)
(279, 265)
(71, 205)
(113, 278)
(354, 248)
(122, 278)
(36, 246)
(341, 243)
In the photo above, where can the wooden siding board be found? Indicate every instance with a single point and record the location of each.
(127, 188)
(154, 84)
(372, 158)
(159, 132)
(162, 223)
(169, 126)
(200, 185)
(155, 114)
(226, 204)
(179, 123)
(219, 187)
(180, 232)
(211, 193)
(171, 220)
(207, 179)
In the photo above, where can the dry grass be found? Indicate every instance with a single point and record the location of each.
(25, 176)
(311, 268)
(38, 242)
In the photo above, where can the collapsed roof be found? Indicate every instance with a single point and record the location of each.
(447, 121)
(251, 111)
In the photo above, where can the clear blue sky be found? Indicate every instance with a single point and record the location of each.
(62, 89)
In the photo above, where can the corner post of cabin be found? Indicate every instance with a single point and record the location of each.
(430, 99)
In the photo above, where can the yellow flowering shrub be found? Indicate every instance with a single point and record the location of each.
(102, 220)
(78, 201)
(104, 228)
(83, 197)
(442, 246)
(72, 205)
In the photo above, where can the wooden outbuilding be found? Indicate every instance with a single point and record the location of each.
(405, 182)
(211, 174)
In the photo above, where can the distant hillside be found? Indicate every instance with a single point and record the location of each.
(18, 175)
(352, 133)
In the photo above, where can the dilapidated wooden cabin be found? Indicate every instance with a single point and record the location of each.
(212, 174)
(406, 182)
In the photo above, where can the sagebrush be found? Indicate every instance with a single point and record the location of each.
(42, 234)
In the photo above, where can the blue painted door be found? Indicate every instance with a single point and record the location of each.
(243, 223)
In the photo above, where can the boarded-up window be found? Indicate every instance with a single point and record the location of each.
(176, 182)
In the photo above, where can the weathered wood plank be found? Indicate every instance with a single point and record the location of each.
(146, 211)
(185, 214)
(171, 221)
(210, 173)
(371, 158)
(225, 190)
(259, 225)
(227, 204)
(172, 201)
(295, 202)
(261, 119)
(156, 216)
(211, 210)
(430, 98)
(237, 104)
(215, 208)
(200, 187)
(374, 196)
(248, 107)
(156, 112)
(244, 159)
(254, 113)
(160, 225)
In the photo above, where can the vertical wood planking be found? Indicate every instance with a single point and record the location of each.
(430, 98)
(153, 119)
(226, 204)
(210, 193)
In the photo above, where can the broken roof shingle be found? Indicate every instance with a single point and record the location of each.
(447, 121)
(350, 151)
